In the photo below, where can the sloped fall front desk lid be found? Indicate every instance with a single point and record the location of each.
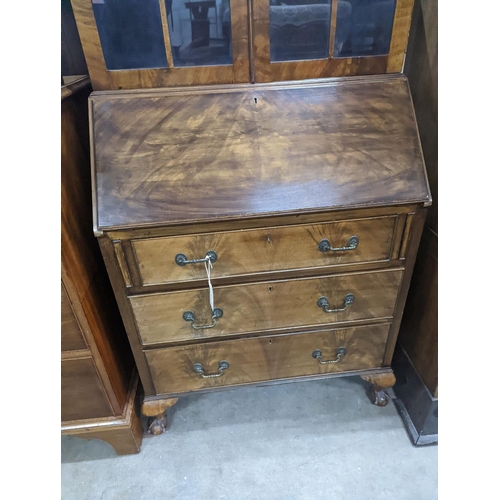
(178, 156)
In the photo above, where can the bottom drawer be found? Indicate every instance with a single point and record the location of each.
(233, 362)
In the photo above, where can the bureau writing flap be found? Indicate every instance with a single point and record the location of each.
(174, 156)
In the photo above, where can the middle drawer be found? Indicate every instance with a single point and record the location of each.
(266, 306)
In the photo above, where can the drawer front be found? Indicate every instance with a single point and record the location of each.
(266, 358)
(270, 305)
(264, 250)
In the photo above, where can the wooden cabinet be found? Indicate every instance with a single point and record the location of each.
(99, 390)
(259, 233)
(160, 43)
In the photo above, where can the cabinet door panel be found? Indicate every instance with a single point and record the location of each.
(303, 39)
(200, 32)
(367, 28)
(299, 30)
(131, 34)
(160, 43)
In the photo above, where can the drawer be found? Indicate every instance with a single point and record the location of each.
(265, 358)
(264, 250)
(270, 305)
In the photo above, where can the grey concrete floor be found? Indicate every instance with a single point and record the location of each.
(309, 440)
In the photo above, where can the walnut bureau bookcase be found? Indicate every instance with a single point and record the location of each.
(258, 233)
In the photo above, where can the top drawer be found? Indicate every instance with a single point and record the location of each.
(253, 251)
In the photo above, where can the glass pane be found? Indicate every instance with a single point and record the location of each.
(200, 32)
(364, 27)
(131, 33)
(299, 29)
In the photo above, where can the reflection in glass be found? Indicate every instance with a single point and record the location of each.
(299, 29)
(200, 32)
(131, 33)
(364, 27)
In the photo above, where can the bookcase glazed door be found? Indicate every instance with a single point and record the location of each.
(132, 44)
(301, 39)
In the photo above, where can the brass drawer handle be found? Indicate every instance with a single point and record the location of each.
(223, 365)
(190, 318)
(324, 245)
(341, 352)
(325, 305)
(182, 260)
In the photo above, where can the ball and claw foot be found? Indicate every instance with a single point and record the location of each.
(157, 410)
(378, 396)
(158, 425)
